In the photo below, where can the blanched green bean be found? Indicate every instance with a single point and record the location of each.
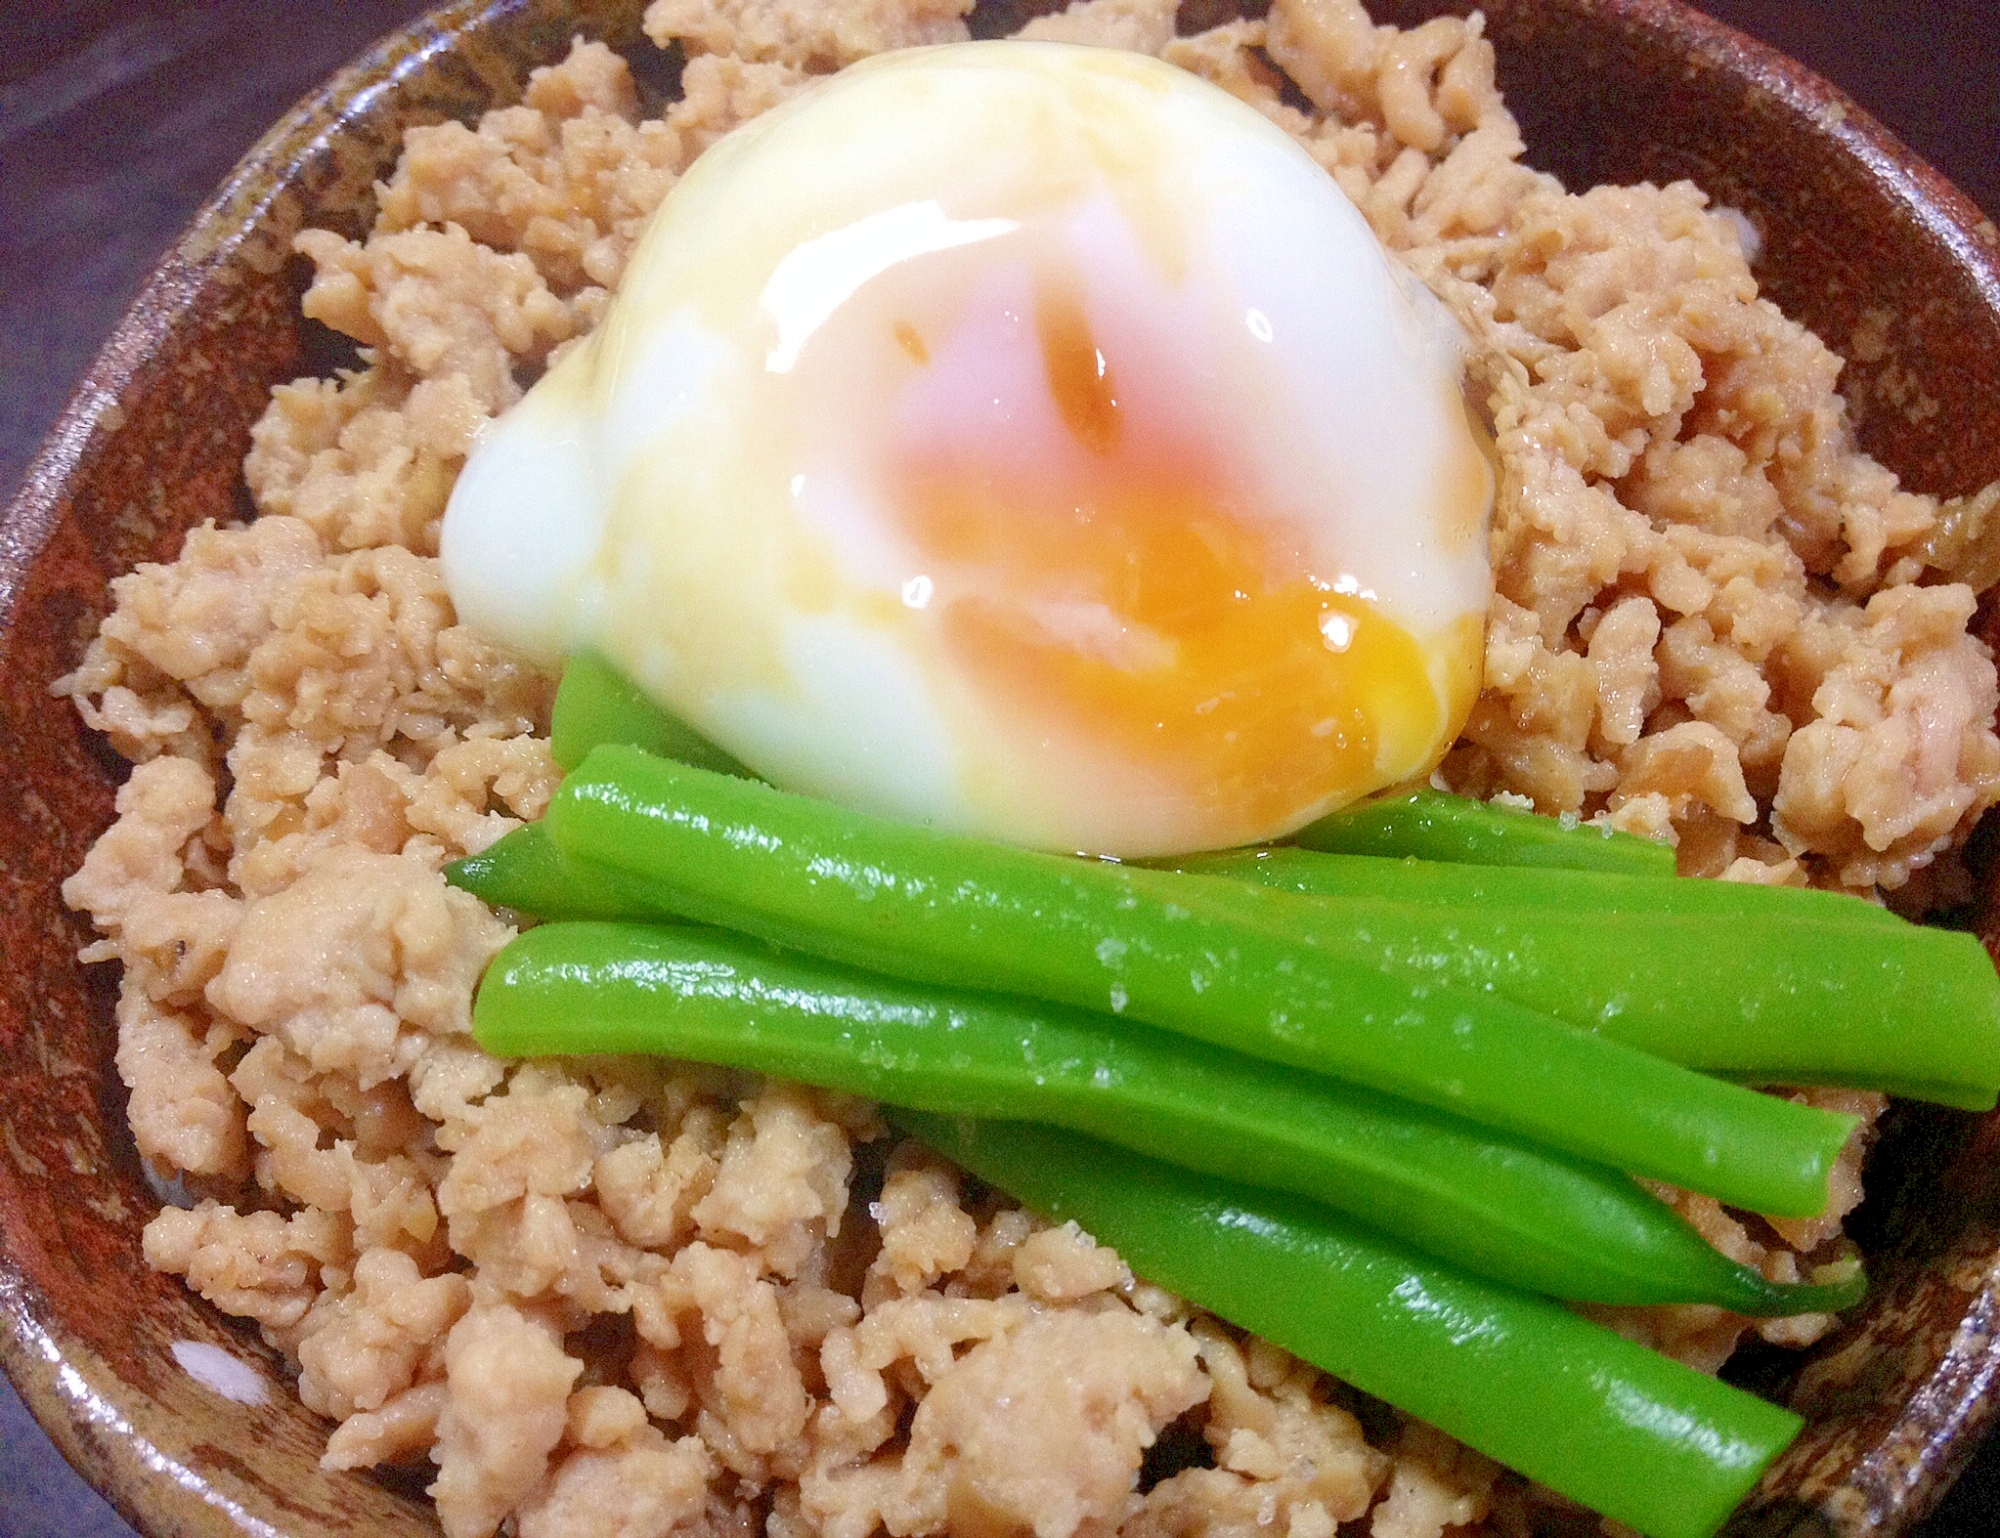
(1500, 1207)
(524, 870)
(1778, 997)
(596, 703)
(938, 908)
(1762, 994)
(1313, 873)
(1434, 826)
(1642, 1439)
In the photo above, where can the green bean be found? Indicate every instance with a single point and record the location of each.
(1761, 994)
(1777, 999)
(596, 703)
(1637, 1437)
(1502, 1208)
(1167, 950)
(524, 870)
(1434, 826)
(1313, 873)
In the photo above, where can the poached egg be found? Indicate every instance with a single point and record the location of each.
(1026, 439)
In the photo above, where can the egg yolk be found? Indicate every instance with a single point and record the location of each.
(1137, 596)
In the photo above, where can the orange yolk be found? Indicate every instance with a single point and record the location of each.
(1129, 598)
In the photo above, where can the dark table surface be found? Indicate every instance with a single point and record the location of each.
(118, 116)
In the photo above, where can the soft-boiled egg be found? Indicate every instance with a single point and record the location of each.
(1022, 438)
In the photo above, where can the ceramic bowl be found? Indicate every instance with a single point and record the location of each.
(184, 1420)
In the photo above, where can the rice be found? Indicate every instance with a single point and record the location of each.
(632, 1297)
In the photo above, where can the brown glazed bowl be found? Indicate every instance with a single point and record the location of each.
(1860, 241)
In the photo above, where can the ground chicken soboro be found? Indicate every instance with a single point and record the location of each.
(634, 1298)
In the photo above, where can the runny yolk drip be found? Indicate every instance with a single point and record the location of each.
(1133, 606)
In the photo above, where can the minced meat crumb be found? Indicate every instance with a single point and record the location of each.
(619, 1297)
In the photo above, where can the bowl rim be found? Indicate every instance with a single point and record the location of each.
(1930, 197)
(94, 1436)
(152, 1491)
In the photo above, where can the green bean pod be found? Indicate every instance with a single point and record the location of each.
(1637, 1437)
(525, 871)
(596, 703)
(1314, 873)
(1505, 1209)
(1770, 993)
(1434, 826)
(1777, 998)
(1937, 1036)
(933, 907)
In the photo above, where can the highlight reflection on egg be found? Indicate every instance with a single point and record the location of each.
(1023, 438)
